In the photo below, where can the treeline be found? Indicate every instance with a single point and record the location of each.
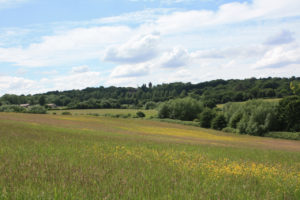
(37, 109)
(253, 117)
(209, 93)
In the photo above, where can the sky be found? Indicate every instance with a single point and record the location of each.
(73, 44)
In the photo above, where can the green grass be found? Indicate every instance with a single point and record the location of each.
(284, 135)
(106, 112)
(86, 157)
(268, 100)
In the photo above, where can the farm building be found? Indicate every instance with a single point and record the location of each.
(25, 105)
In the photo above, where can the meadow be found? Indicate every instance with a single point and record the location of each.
(106, 112)
(96, 157)
(276, 100)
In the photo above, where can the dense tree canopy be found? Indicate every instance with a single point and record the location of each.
(289, 113)
(210, 93)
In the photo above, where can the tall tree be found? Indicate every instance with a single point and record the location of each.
(295, 87)
(42, 100)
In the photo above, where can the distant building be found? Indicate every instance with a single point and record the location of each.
(51, 105)
(25, 105)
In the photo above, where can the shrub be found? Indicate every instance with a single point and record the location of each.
(150, 105)
(124, 106)
(219, 122)
(253, 117)
(206, 117)
(66, 113)
(12, 108)
(235, 119)
(128, 115)
(182, 109)
(37, 110)
(289, 113)
(140, 114)
(164, 111)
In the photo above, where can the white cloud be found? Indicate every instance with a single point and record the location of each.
(10, 3)
(123, 81)
(282, 37)
(76, 81)
(82, 44)
(230, 40)
(16, 85)
(229, 13)
(130, 70)
(138, 49)
(280, 56)
(231, 52)
(21, 71)
(143, 16)
(66, 47)
(80, 69)
(177, 57)
(19, 85)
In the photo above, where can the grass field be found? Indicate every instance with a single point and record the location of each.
(87, 157)
(103, 112)
(267, 100)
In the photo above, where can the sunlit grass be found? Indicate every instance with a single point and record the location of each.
(102, 112)
(267, 100)
(85, 157)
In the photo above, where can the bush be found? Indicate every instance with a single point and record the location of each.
(12, 108)
(219, 122)
(182, 109)
(124, 106)
(164, 111)
(206, 117)
(140, 114)
(235, 119)
(37, 110)
(254, 117)
(66, 113)
(289, 113)
(150, 105)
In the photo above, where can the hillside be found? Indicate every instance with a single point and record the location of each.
(211, 93)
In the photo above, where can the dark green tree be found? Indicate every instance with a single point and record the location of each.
(219, 122)
(206, 117)
(289, 113)
(42, 100)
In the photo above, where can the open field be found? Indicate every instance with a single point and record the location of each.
(268, 100)
(103, 112)
(87, 157)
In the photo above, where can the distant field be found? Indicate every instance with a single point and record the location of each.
(103, 112)
(269, 100)
(87, 157)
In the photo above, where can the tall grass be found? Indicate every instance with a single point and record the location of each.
(107, 112)
(41, 158)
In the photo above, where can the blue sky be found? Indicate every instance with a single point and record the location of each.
(61, 45)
